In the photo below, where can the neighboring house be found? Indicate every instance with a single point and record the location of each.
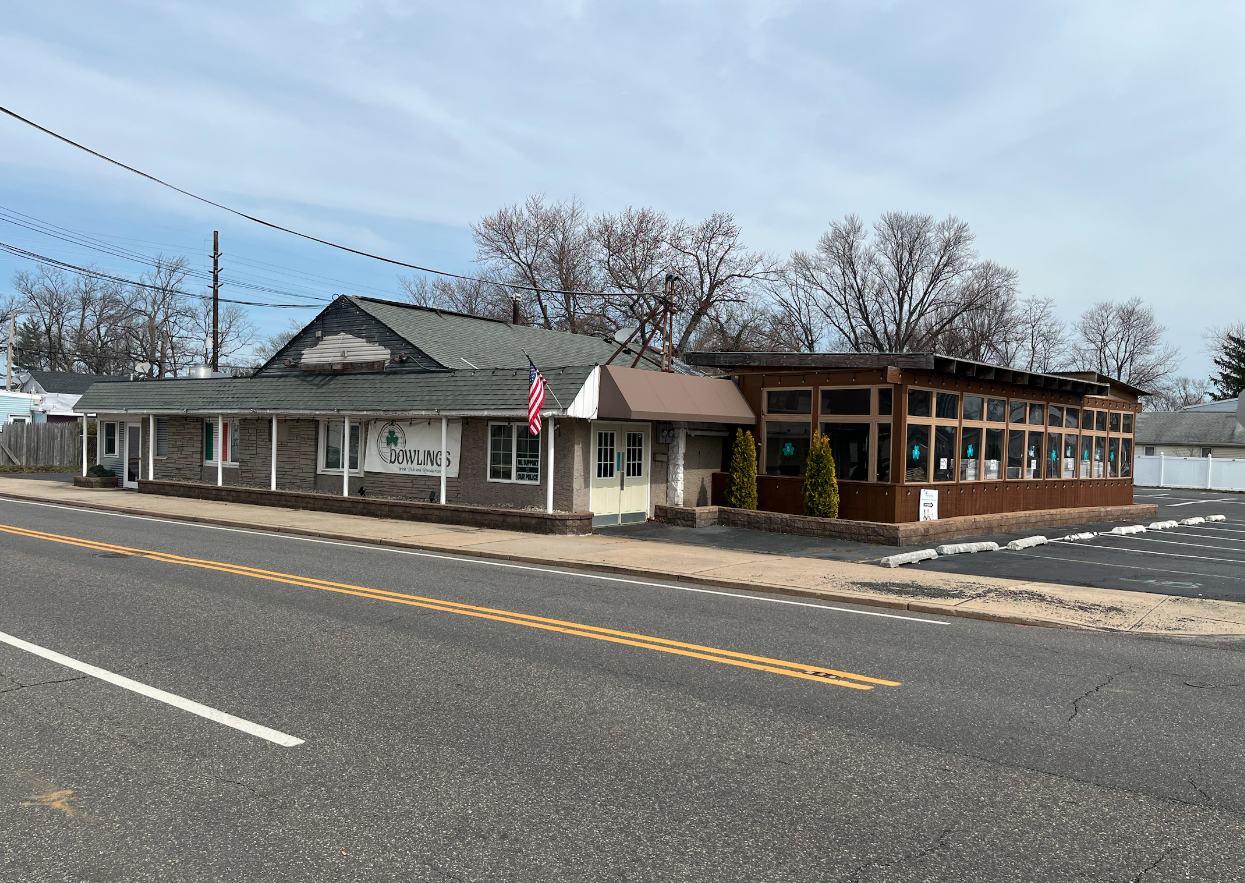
(17, 407)
(1214, 429)
(360, 400)
(58, 392)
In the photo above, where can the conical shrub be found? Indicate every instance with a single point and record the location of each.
(821, 485)
(741, 484)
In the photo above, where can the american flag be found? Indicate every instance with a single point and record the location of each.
(535, 397)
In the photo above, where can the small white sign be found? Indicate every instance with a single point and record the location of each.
(942, 463)
(929, 504)
(413, 447)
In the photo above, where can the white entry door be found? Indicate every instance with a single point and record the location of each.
(133, 460)
(620, 473)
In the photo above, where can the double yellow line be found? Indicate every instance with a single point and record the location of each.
(647, 642)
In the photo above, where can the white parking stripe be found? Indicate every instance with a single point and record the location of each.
(125, 683)
(1132, 567)
(1145, 538)
(1152, 552)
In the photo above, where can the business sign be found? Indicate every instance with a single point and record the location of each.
(929, 505)
(413, 447)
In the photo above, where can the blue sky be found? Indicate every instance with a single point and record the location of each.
(1096, 147)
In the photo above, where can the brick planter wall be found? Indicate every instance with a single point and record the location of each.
(906, 534)
(558, 523)
(90, 481)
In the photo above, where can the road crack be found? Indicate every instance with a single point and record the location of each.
(942, 843)
(21, 686)
(1076, 703)
(1158, 861)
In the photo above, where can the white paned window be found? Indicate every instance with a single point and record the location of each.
(110, 439)
(513, 453)
(231, 434)
(635, 455)
(605, 454)
(331, 448)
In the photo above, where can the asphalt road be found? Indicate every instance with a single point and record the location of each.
(440, 741)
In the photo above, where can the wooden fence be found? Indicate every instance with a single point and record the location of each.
(41, 444)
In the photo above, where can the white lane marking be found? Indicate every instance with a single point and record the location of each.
(1164, 554)
(1126, 566)
(1191, 502)
(369, 547)
(125, 683)
(1148, 539)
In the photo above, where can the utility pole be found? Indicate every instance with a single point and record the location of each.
(215, 300)
(8, 364)
(667, 324)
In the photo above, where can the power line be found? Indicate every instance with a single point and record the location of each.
(97, 274)
(511, 285)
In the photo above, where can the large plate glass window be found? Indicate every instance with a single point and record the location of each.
(1113, 458)
(885, 397)
(948, 407)
(1070, 418)
(1033, 463)
(849, 444)
(333, 431)
(786, 447)
(1054, 449)
(996, 410)
(884, 452)
(1100, 455)
(917, 454)
(846, 402)
(1100, 421)
(1015, 454)
(1126, 458)
(944, 452)
(1069, 455)
(970, 450)
(1016, 412)
(974, 408)
(1087, 456)
(789, 401)
(992, 463)
(918, 402)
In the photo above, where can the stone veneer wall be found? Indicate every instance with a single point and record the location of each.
(298, 450)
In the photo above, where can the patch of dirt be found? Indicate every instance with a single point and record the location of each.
(1039, 598)
(912, 590)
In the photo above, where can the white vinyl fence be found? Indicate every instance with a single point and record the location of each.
(1209, 473)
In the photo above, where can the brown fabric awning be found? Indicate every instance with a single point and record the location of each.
(634, 394)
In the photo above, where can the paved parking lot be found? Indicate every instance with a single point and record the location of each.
(1202, 561)
(1206, 561)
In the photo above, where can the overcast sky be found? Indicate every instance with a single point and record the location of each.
(1096, 147)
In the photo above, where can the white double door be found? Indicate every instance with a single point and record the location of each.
(620, 476)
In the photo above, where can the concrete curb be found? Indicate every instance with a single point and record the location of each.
(927, 607)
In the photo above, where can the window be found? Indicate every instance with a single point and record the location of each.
(1114, 423)
(162, 437)
(1149, 450)
(993, 463)
(514, 453)
(970, 450)
(918, 403)
(1087, 419)
(1070, 418)
(789, 401)
(635, 454)
(1206, 452)
(110, 439)
(1113, 458)
(884, 452)
(1100, 421)
(605, 454)
(1128, 424)
(1126, 458)
(1015, 454)
(1087, 456)
(917, 453)
(885, 397)
(1055, 415)
(1069, 455)
(849, 444)
(1037, 415)
(786, 447)
(231, 436)
(852, 402)
(974, 407)
(1054, 448)
(996, 410)
(944, 452)
(948, 406)
(331, 432)
(1100, 455)
(1017, 412)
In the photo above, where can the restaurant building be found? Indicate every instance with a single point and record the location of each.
(983, 438)
(387, 400)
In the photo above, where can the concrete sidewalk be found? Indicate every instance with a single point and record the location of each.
(1003, 600)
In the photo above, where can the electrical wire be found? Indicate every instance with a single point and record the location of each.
(511, 285)
(98, 274)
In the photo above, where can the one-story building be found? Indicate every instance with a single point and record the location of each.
(1215, 429)
(57, 392)
(964, 437)
(390, 400)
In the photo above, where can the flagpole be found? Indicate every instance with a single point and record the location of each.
(548, 388)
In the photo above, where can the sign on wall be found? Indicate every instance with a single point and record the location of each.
(413, 447)
(929, 504)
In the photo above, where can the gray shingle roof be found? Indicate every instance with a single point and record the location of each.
(456, 340)
(69, 383)
(1189, 428)
(496, 391)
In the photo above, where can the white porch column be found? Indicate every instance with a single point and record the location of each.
(346, 456)
(549, 468)
(84, 445)
(272, 480)
(674, 465)
(445, 437)
(151, 447)
(220, 450)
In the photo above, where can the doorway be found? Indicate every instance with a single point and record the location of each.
(133, 454)
(620, 488)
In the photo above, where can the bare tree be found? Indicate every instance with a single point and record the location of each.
(271, 344)
(545, 247)
(903, 288)
(1124, 341)
(746, 326)
(1177, 393)
(715, 269)
(71, 322)
(235, 332)
(161, 328)
(475, 298)
(799, 324)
